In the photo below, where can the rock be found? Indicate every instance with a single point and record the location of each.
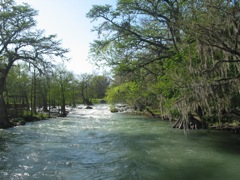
(102, 101)
(88, 107)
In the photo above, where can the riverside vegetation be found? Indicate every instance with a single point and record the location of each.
(178, 60)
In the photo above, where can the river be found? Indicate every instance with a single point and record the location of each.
(96, 144)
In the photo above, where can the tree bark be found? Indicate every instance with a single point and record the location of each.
(63, 109)
(34, 105)
(178, 124)
(4, 122)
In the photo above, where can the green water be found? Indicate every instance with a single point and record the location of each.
(95, 144)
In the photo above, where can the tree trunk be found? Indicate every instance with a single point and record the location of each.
(27, 102)
(44, 99)
(63, 109)
(4, 122)
(45, 105)
(34, 107)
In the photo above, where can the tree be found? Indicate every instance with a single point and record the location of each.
(135, 39)
(20, 41)
(98, 86)
(17, 87)
(186, 52)
(84, 80)
(136, 33)
(63, 80)
(212, 38)
(43, 90)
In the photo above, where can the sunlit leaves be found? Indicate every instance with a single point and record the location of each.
(125, 93)
(186, 52)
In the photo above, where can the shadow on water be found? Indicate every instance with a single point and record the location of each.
(221, 141)
(169, 159)
(168, 154)
(150, 149)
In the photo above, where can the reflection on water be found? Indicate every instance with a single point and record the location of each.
(95, 144)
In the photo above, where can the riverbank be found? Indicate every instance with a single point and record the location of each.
(233, 127)
(22, 120)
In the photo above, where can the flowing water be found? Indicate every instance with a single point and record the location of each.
(95, 144)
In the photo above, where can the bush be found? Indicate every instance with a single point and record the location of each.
(113, 109)
(41, 116)
(18, 121)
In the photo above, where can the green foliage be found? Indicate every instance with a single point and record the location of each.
(18, 121)
(113, 109)
(92, 87)
(98, 86)
(22, 42)
(235, 123)
(179, 54)
(175, 113)
(41, 116)
(26, 113)
(125, 93)
(115, 95)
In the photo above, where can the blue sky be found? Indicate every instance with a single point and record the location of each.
(67, 19)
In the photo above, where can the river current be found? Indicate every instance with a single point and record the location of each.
(96, 144)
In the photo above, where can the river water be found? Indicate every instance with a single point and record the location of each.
(95, 144)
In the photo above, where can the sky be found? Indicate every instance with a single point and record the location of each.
(67, 19)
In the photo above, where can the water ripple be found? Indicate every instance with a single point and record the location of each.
(96, 144)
